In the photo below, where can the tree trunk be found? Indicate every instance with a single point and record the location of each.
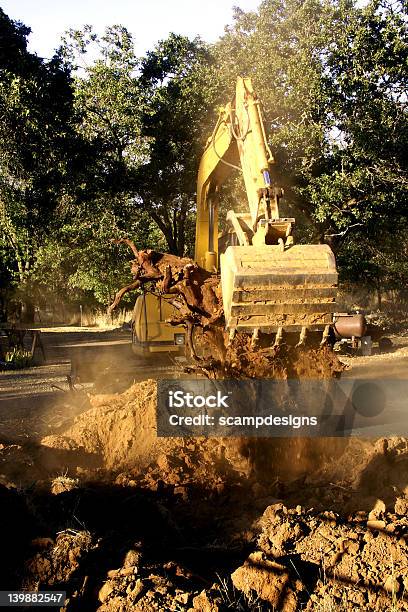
(28, 311)
(379, 297)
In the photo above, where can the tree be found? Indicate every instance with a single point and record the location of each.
(109, 102)
(36, 147)
(81, 262)
(145, 117)
(181, 85)
(366, 80)
(332, 79)
(281, 47)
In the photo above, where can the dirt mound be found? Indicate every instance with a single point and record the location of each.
(119, 429)
(119, 433)
(170, 535)
(367, 469)
(173, 524)
(300, 559)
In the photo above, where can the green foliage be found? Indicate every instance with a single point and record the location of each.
(145, 116)
(281, 49)
(181, 86)
(381, 265)
(81, 260)
(17, 359)
(37, 162)
(109, 100)
(365, 177)
(332, 79)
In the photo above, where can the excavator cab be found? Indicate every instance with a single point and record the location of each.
(269, 284)
(151, 333)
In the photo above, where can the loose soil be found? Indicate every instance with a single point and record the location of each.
(123, 520)
(95, 504)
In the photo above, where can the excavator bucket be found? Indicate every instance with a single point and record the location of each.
(271, 290)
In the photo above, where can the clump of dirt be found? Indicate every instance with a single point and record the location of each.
(321, 561)
(56, 561)
(144, 586)
(138, 582)
(241, 358)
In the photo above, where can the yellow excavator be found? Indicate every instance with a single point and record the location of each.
(269, 284)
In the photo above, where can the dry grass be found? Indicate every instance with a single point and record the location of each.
(233, 599)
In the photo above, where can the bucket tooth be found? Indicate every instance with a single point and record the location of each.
(302, 337)
(231, 335)
(326, 334)
(255, 336)
(279, 336)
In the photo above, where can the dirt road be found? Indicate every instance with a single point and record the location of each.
(37, 399)
(381, 365)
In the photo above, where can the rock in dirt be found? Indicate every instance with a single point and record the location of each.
(134, 590)
(401, 506)
(377, 511)
(207, 601)
(268, 579)
(133, 558)
(106, 590)
(58, 563)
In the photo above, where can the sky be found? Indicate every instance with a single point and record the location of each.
(148, 20)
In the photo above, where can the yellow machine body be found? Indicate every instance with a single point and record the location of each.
(150, 332)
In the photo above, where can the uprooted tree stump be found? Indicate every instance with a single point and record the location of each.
(191, 290)
(196, 296)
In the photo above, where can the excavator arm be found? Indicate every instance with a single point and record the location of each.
(269, 284)
(237, 142)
